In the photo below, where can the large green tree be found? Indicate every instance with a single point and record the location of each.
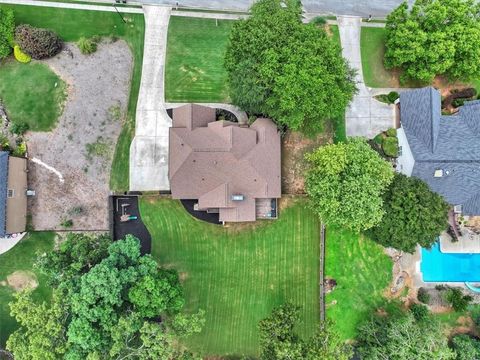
(435, 37)
(279, 341)
(413, 215)
(345, 183)
(7, 32)
(99, 308)
(287, 70)
(403, 338)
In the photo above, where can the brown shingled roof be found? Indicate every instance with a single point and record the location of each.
(213, 160)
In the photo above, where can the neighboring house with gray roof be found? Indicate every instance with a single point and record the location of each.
(229, 169)
(442, 150)
(13, 194)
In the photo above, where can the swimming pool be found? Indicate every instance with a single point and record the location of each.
(437, 266)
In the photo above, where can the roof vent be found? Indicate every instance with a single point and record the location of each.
(238, 197)
(438, 173)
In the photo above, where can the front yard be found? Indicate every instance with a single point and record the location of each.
(362, 272)
(16, 270)
(238, 274)
(194, 65)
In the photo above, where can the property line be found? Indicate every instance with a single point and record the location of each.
(322, 271)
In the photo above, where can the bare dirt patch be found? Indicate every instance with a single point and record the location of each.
(20, 280)
(81, 147)
(294, 147)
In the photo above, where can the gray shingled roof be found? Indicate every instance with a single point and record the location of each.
(3, 191)
(447, 142)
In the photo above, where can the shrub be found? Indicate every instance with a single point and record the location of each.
(419, 311)
(7, 30)
(378, 139)
(457, 300)
(392, 96)
(391, 132)
(87, 46)
(19, 128)
(38, 43)
(458, 102)
(20, 55)
(20, 150)
(319, 20)
(423, 296)
(390, 146)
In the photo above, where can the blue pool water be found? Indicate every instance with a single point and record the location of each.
(453, 267)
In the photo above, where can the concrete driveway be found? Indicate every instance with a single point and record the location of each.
(149, 149)
(365, 116)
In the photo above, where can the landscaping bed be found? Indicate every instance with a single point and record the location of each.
(237, 274)
(81, 146)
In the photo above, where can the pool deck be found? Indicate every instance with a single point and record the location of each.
(466, 244)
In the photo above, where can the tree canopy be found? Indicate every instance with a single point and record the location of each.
(403, 338)
(434, 37)
(345, 183)
(413, 215)
(286, 70)
(278, 340)
(99, 308)
(7, 32)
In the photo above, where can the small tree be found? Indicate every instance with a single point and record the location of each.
(420, 312)
(434, 37)
(402, 338)
(7, 31)
(345, 183)
(38, 43)
(413, 215)
(457, 300)
(466, 347)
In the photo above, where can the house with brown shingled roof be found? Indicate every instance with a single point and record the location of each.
(230, 169)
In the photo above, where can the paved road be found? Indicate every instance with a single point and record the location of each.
(365, 116)
(378, 8)
(149, 149)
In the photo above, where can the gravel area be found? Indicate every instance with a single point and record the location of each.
(69, 167)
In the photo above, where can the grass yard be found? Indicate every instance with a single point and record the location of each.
(238, 274)
(362, 272)
(372, 47)
(32, 94)
(72, 24)
(21, 258)
(194, 65)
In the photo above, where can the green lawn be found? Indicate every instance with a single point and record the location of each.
(372, 46)
(237, 275)
(362, 272)
(21, 258)
(71, 25)
(32, 94)
(194, 64)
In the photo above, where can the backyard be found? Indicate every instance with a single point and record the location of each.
(362, 272)
(32, 94)
(70, 25)
(238, 274)
(194, 65)
(16, 270)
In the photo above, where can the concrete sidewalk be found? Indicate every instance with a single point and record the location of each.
(8, 243)
(149, 149)
(365, 116)
(93, 7)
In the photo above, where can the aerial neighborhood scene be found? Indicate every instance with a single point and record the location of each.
(240, 180)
